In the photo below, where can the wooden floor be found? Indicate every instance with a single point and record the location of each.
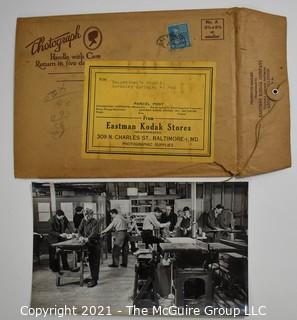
(114, 289)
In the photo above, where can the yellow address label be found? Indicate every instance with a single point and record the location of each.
(149, 110)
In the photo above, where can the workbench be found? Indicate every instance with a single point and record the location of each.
(240, 245)
(71, 245)
(177, 245)
(218, 232)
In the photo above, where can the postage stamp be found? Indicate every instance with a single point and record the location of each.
(179, 36)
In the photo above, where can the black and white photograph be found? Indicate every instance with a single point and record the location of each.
(142, 245)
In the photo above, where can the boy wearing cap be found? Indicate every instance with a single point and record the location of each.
(88, 233)
(186, 225)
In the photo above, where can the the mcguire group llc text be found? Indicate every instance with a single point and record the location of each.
(134, 311)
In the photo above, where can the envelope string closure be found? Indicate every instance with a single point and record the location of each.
(274, 93)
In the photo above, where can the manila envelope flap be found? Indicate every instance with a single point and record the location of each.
(263, 108)
(248, 48)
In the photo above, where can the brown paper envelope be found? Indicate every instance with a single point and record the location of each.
(251, 133)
